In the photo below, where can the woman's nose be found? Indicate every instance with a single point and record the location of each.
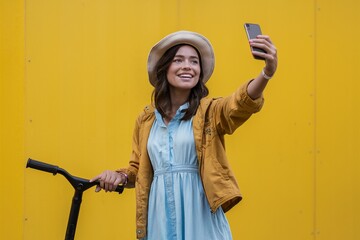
(186, 65)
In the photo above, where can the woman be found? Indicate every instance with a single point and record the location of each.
(178, 165)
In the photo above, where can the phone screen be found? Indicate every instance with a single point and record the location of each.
(253, 30)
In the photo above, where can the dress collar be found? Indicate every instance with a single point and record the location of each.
(178, 115)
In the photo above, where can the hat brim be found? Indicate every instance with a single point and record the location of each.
(196, 40)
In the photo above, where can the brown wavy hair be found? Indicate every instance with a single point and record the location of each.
(161, 93)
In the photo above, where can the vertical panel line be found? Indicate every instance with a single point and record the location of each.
(25, 115)
(315, 230)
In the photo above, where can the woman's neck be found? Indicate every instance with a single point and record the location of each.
(178, 98)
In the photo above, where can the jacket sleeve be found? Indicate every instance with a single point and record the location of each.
(133, 167)
(232, 111)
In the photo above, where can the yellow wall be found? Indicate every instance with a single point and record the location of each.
(11, 119)
(337, 120)
(73, 79)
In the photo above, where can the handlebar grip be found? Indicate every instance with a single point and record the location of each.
(119, 189)
(42, 166)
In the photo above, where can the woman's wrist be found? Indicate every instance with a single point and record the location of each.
(125, 176)
(266, 75)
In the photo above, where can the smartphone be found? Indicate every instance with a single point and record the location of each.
(252, 30)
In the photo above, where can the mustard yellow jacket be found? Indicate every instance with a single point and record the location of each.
(213, 119)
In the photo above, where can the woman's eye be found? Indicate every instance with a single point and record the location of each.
(176, 60)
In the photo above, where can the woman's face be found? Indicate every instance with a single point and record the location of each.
(184, 71)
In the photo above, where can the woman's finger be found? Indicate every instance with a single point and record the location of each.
(117, 182)
(95, 178)
(98, 188)
(265, 37)
(112, 179)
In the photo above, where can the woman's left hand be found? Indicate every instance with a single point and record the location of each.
(264, 42)
(108, 180)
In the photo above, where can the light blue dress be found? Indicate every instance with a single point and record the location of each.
(178, 208)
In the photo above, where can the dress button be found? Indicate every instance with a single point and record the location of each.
(139, 231)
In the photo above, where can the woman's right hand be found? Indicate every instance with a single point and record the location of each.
(271, 60)
(108, 180)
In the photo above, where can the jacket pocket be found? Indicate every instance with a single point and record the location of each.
(219, 169)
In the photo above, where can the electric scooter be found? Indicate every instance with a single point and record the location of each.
(79, 184)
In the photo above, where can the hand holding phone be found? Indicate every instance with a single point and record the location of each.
(252, 31)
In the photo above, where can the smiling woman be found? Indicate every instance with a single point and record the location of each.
(175, 190)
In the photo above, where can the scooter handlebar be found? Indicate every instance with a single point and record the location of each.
(42, 166)
(75, 181)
